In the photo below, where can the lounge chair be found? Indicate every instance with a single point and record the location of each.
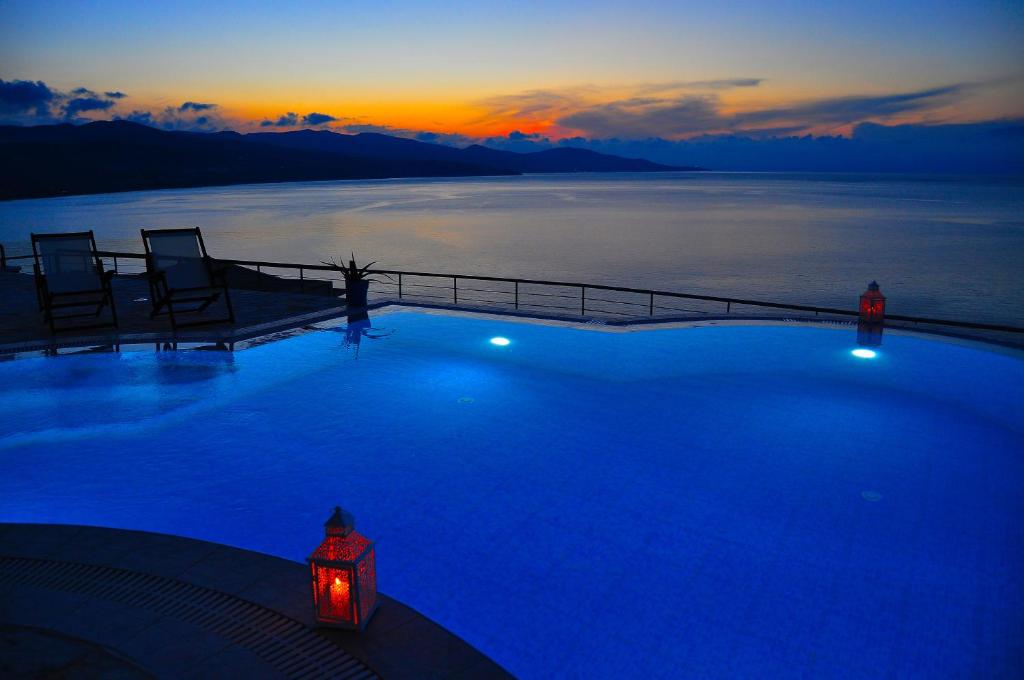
(183, 278)
(70, 281)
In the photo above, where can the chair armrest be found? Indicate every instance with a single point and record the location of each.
(108, 275)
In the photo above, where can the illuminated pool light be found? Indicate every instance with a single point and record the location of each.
(500, 341)
(864, 353)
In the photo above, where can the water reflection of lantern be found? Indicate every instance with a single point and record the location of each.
(869, 334)
(344, 576)
(872, 304)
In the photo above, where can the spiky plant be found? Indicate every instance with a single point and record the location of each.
(350, 270)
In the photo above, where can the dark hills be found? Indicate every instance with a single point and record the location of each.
(109, 156)
(374, 145)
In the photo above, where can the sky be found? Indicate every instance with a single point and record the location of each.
(516, 72)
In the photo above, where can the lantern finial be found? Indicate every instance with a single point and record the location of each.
(340, 523)
(873, 285)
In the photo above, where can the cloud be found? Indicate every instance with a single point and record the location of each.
(292, 119)
(317, 119)
(196, 106)
(289, 119)
(25, 97)
(190, 119)
(80, 104)
(27, 102)
(549, 105)
(722, 84)
(534, 104)
(645, 116)
(141, 117)
(848, 110)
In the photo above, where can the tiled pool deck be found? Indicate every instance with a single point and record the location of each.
(109, 602)
(256, 313)
(261, 314)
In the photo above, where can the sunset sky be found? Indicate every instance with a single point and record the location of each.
(627, 70)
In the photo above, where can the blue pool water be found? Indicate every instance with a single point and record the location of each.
(745, 501)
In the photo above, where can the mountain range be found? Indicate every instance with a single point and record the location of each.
(110, 156)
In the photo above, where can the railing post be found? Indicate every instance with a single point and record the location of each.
(455, 289)
(652, 304)
(399, 285)
(3, 258)
(583, 300)
(115, 264)
(517, 295)
(302, 280)
(728, 307)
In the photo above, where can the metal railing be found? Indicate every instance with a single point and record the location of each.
(564, 298)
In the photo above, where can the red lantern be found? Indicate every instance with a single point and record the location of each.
(344, 575)
(872, 305)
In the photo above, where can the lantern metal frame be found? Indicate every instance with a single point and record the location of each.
(339, 527)
(872, 305)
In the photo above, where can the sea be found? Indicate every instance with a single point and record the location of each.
(939, 246)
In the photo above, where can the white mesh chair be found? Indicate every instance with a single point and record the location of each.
(70, 281)
(182, 277)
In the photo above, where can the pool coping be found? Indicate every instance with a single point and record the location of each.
(259, 334)
(65, 578)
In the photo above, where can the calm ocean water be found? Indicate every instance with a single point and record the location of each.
(939, 246)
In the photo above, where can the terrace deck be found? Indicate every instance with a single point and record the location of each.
(256, 312)
(94, 602)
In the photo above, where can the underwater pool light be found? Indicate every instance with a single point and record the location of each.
(864, 353)
(500, 341)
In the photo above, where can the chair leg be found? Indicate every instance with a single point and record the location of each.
(227, 301)
(113, 309)
(170, 313)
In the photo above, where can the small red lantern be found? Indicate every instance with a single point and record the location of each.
(872, 304)
(344, 575)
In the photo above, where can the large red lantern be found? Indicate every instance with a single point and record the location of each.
(344, 575)
(872, 305)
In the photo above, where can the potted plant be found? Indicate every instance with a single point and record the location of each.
(357, 279)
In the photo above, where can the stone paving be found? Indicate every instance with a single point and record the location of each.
(256, 312)
(137, 604)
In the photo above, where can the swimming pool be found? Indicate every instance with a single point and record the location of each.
(709, 501)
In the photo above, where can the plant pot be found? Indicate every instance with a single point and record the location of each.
(355, 293)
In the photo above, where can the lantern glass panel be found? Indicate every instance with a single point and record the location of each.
(333, 594)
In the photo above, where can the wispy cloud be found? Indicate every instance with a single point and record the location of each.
(196, 106)
(697, 85)
(673, 117)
